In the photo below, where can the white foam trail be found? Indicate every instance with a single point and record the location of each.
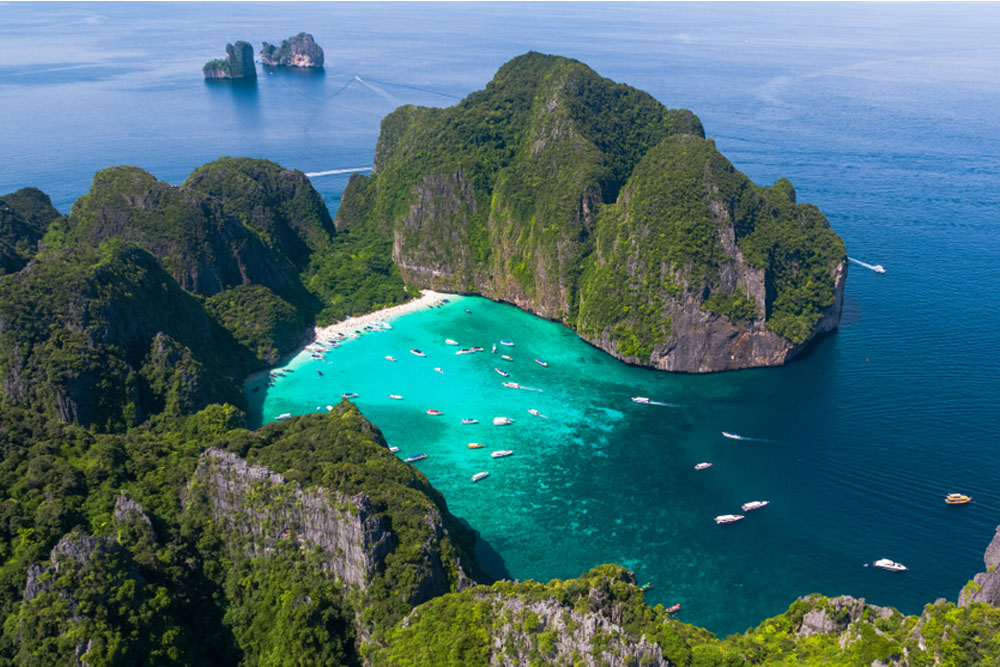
(328, 172)
(666, 405)
(867, 266)
(378, 90)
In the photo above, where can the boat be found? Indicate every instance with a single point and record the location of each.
(891, 565)
(734, 436)
(439, 370)
(878, 268)
(417, 352)
(479, 475)
(284, 415)
(475, 445)
(506, 342)
(464, 350)
(501, 372)
(703, 465)
(536, 413)
(449, 341)
(384, 325)
(434, 413)
(470, 421)
(415, 458)
(506, 358)
(468, 311)
(540, 362)
(674, 607)
(511, 385)
(494, 348)
(502, 421)
(476, 349)
(728, 518)
(646, 586)
(396, 397)
(393, 448)
(640, 399)
(349, 394)
(500, 453)
(957, 499)
(388, 358)
(754, 505)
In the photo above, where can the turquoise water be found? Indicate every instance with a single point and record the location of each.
(883, 115)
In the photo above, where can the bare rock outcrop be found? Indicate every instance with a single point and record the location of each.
(985, 586)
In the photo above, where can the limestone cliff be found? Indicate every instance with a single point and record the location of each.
(590, 203)
(238, 63)
(24, 217)
(985, 586)
(298, 51)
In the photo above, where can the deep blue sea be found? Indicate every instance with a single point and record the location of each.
(886, 116)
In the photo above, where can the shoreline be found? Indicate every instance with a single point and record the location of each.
(428, 299)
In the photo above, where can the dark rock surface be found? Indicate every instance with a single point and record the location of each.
(985, 586)
(298, 51)
(237, 65)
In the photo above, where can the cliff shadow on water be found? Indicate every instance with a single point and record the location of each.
(488, 558)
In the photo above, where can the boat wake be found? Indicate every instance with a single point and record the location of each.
(666, 405)
(330, 172)
(745, 438)
(877, 268)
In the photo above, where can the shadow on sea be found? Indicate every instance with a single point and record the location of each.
(489, 559)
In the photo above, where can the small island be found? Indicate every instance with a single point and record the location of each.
(298, 51)
(237, 65)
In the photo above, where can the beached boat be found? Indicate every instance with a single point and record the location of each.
(674, 607)
(475, 445)
(470, 421)
(388, 358)
(500, 453)
(434, 413)
(284, 415)
(439, 370)
(728, 518)
(957, 499)
(479, 475)
(349, 394)
(393, 448)
(754, 505)
(414, 458)
(511, 385)
(395, 397)
(417, 352)
(702, 465)
(449, 341)
(891, 565)
(384, 325)
(540, 362)
(506, 342)
(506, 358)
(502, 421)
(501, 372)
(734, 436)
(640, 399)
(536, 413)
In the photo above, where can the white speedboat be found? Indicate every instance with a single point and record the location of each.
(393, 448)
(506, 357)
(284, 415)
(464, 350)
(417, 352)
(891, 565)
(479, 475)
(395, 397)
(349, 394)
(702, 465)
(439, 371)
(754, 505)
(640, 399)
(434, 413)
(388, 358)
(511, 385)
(449, 341)
(733, 436)
(500, 453)
(502, 421)
(728, 518)
(532, 411)
(470, 421)
(878, 268)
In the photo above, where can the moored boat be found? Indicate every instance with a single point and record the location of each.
(449, 341)
(957, 499)
(702, 465)
(475, 445)
(541, 362)
(494, 348)
(389, 358)
(502, 372)
(535, 412)
(384, 325)
(640, 399)
(479, 475)
(464, 350)
(891, 565)
(417, 352)
(506, 342)
(439, 370)
(395, 397)
(754, 505)
(349, 394)
(414, 458)
(393, 448)
(284, 415)
(506, 357)
(500, 453)
(728, 518)
(470, 421)
(674, 607)
(434, 413)
(502, 421)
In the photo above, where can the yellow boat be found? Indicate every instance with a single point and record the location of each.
(475, 445)
(956, 499)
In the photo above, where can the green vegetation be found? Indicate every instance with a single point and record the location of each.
(24, 216)
(297, 51)
(237, 65)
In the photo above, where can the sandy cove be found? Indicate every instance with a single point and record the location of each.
(428, 299)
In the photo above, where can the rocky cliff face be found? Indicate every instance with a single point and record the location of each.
(590, 203)
(298, 51)
(237, 65)
(985, 586)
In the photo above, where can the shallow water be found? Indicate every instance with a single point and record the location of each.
(882, 115)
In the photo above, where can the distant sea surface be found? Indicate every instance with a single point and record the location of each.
(886, 116)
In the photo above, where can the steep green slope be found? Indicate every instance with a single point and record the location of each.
(24, 217)
(505, 193)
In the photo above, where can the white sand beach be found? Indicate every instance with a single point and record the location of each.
(428, 299)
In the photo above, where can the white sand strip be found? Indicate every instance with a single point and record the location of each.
(428, 299)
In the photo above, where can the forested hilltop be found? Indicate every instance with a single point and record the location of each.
(591, 203)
